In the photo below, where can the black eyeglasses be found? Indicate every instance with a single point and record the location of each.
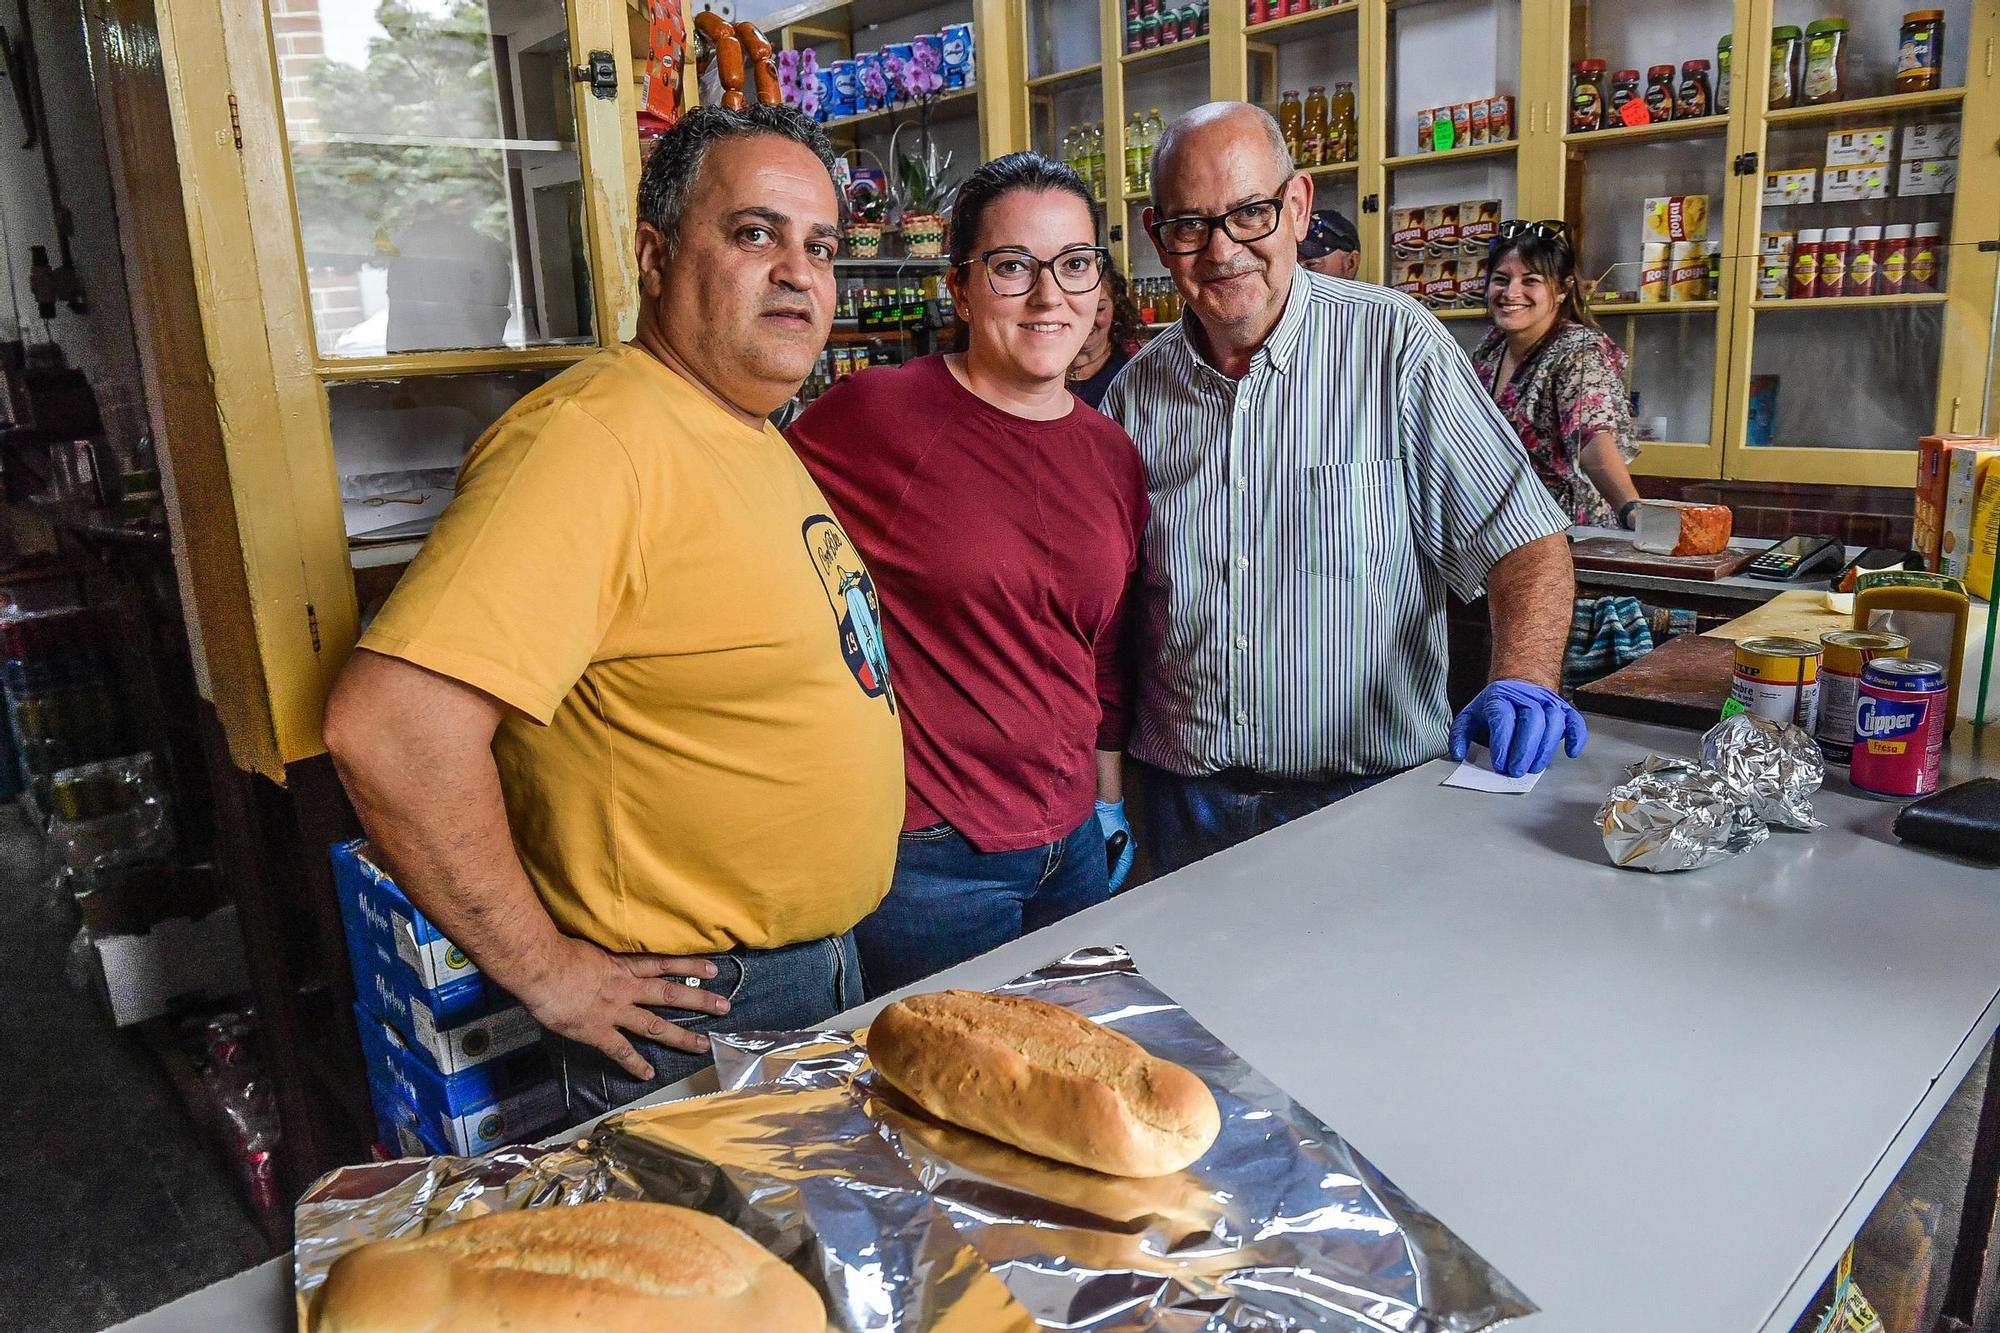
(1548, 229)
(1012, 271)
(1242, 224)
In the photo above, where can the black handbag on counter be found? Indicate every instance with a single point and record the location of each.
(1964, 819)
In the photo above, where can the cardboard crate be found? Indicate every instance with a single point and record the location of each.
(457, 1026)
(507, 1100)
(376, 912)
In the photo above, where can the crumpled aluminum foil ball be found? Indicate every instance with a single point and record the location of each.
(1676, 814)
(1773, 765)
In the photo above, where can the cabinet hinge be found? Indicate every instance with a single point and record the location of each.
(235, 123)
(1745, 164)
(1372, 204)
(312, 624)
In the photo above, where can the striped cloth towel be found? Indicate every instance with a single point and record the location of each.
(1605, 633)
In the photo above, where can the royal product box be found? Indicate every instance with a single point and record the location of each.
(1846, 185)
(1933, 472)
(1675, 217)
(375, 911)
(457, 1027)
(500, 1102)
(1859, 148)
(1931, 175)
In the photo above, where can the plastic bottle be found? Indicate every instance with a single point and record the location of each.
(1723, 49)
(1290, 116)
(1135, 157)
(1345, 130)
(1155, 127)
(1097, 159)
(1313, 150)
(1070, 157)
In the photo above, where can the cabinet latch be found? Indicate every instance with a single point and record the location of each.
(601, 74)
(235, 123)
(1117, 232)
(1372, 204)
(1745, 164)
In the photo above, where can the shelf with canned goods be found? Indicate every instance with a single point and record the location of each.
(1260, 30)
(1453, 156)
(1887, 105)
(1161, 55)
(1768, 303)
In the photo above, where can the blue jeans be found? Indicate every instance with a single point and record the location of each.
(1181, 820)
(950, 901)
(797, 986)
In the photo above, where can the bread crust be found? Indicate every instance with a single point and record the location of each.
(1046, 1080)
(607, 1267)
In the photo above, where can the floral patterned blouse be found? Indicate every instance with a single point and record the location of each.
(1568, 392)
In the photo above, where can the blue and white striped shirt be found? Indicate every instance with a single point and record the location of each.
(1306, 523)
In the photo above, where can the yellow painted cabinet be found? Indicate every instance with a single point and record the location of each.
(402, 217)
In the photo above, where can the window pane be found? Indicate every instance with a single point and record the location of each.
(435, 166)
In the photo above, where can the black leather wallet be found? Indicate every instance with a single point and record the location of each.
(1964, 819)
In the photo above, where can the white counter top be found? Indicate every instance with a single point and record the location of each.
(1636, 1095)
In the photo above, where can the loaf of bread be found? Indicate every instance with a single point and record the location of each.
(603, 1267)
(1675, 527)
(1046, 1080)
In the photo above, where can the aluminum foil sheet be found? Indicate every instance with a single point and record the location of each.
(1774, 766)
(906, 1223)
(1676, 814)
(1281, 1226)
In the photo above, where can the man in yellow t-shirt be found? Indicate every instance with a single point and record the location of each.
(625, 730)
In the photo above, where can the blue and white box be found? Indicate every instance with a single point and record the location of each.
(374, 909)
(458, 1026)
(506, 1100)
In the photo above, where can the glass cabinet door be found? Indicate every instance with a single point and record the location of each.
(1646, 194)
(1453, 103)
(1309, 64)
(1857, 337)
(435, 174)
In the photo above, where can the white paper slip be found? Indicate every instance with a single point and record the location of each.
(1475, 775)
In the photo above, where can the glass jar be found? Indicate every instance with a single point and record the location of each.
(1920, 52)
(1660, 92)
(1697, 99)
(1722, 53)
(1588, 100)
(1826, 62)
(1625, 90)
(1787, 54)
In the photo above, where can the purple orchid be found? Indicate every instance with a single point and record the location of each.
(874, 85)
(893, 76)
(925, 63)
(809, 83)
(788, 77)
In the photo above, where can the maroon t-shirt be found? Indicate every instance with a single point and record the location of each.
(1005, 554)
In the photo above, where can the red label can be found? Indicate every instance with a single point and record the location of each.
(1899, 727)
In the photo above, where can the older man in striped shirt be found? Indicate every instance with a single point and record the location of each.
(1323, 467)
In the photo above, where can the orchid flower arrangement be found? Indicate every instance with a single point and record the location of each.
(809, 82)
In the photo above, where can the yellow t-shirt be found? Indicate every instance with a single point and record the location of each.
(706, 751)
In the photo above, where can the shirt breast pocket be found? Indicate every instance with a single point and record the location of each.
(1345, 514)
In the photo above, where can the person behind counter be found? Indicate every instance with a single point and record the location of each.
(624, 730)
(1324, 466)
(1113, 337)
(1556, 378)
(1002, 520)
(1331, 246)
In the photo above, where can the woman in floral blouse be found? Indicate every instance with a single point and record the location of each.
(1558, 380)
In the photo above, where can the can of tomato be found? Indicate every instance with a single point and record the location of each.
(1899, 727)
(1776, 678)
(1847, 652)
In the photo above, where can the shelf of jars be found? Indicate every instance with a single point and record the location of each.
(1889, 104)
(1693, 128)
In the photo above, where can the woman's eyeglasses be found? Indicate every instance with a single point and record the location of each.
(1012, 271)
(1244, 223)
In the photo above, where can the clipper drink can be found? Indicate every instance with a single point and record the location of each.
(1899, 727)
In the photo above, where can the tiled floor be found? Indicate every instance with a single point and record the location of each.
(109, 1202)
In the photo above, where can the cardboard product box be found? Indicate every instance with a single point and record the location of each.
(1846, 185)
(1406, 231)
(1985, 536)
(1929, 500)
(1408, 276)
(1441, 283)
(1441, 230)
(1675, 217)
(1965, 471)
(1500, 118)
(1927, 176)
(1800, 186)
(459, 1026)
(504, 1101)
(376, 911)
(1860, 148)
(143, 976)
(1469, 283)
(1655, 272)
(1478, 227)
(1929, 139)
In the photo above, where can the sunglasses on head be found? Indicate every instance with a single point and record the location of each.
(1548, 229)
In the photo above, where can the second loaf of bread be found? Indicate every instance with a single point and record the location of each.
(1046, 1080)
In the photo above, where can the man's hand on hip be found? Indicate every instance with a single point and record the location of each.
(593, 996)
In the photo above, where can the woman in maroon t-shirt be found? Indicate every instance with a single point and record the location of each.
(1000, 518)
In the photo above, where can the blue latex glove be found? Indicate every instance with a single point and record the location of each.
(1521, 724)
(1119, 848)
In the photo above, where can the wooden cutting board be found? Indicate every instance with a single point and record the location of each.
(1682, 683)
(1617, 555)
